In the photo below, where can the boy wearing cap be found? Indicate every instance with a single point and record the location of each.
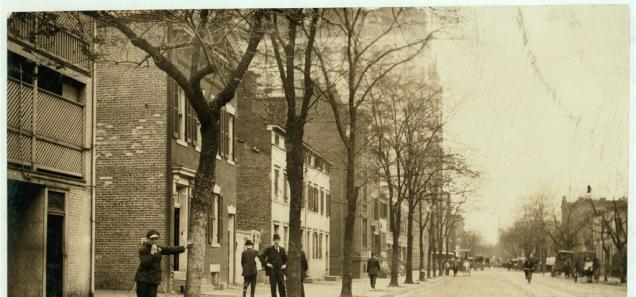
(248, 262)
(275, 259)
(148, 275)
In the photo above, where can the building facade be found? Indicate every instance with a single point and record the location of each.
(50, 152)
(264, 194)
(149, 142)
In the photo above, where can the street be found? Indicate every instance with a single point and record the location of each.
(499, 282)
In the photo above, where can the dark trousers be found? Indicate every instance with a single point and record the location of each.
(276, 278)
(146, 289)
(249, 281)
(372, 278)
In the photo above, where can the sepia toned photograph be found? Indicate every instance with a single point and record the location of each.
(363, 149)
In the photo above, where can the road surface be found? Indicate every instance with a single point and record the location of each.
(500, 282)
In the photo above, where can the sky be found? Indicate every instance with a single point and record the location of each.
(537, 98)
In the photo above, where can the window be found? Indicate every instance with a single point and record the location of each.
(328, 197)
(215, 220)
(285, 187)
(316, 198)
(276, 229)
(315, 242)
(310, 198)
(276, 176)
(322, 201)
(383, 210)
(364, 232)
(285, 236)
(376, 209)
(227, 136)
(181, 117)
(320, 247)
(308, 244)
(276, 139)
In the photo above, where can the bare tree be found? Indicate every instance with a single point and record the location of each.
(370, 51)
(564, 233)
(292, 30)
(214, 45)
(613, 218)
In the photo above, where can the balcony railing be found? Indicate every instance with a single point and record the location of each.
(57, 39)
(45, 130)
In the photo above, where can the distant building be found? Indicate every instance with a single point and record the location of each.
(50, 151)
(596, 237)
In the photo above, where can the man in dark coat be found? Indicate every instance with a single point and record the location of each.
(304, 266)
(248, 262)
(373, 266)
(274, 260)
(148, 275)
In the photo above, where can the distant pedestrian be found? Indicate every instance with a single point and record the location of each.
(304, 266)
(148, 275)
(275, 261)
(248, 263)
(373, 266)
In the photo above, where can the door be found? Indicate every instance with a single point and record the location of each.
(55, 255)
(176, 235)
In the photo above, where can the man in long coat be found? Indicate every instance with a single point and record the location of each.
(248, 262)
(373, 266)
(275, 261)
(148, 275)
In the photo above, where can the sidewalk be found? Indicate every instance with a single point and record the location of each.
(360, 287)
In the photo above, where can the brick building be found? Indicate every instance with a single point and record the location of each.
(50, 148)
(149, 143)
(263, 191)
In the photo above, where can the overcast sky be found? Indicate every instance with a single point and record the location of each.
(538, 98)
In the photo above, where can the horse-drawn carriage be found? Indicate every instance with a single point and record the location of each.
(585, 265)
(478, 263)
(563, 263)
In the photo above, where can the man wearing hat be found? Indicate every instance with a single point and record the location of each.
(148, 275)
(275, 261)
(248, 262)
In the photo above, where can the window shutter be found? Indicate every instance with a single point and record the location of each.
(220, 216)
(174, 95)
(222, 140)
(234, 147)
(210, 224)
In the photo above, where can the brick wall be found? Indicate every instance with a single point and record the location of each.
(131, 169)
(253, 170)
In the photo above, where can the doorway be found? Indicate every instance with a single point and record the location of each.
(54, 255)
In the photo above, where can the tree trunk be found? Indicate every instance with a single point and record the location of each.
(295, 169)
(204, 181)
(396, 216)
(408, 267)
(431, 244)
(352, 197)
(422, 227)
(395, 259)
